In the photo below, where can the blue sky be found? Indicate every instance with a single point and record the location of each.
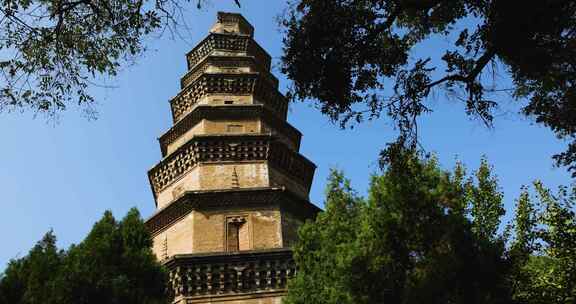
(63, 176)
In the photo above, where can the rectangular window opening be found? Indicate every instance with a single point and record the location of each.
(237, 235)
(232, 237)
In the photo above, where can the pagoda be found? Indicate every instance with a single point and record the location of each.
(231, 189)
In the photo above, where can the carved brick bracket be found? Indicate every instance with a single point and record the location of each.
(247, 198)
(227, 43)
(228, 112)
(226, 62)
(230, 148)
(220, 274)
(235, 84)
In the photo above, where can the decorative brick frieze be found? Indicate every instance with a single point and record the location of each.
(228, 84)
(239, 148)
(227, 112)
(231, 43)
(226, 63)
(211, 83)
(228, 43)
(194, 74)
(201, 275)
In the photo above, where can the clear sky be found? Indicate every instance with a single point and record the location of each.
(64, 176)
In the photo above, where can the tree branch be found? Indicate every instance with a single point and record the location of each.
(480, 64)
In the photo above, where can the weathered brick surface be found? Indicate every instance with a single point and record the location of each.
(197, 129)
(177, 239)
(205, 231)
(222, 156)
(221, 176)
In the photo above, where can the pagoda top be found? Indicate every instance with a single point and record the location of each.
(232, 23)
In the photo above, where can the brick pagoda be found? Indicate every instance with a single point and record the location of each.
(231, 189)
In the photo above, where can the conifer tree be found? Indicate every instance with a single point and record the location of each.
(409, 241)
(426, 235)
(113, 264)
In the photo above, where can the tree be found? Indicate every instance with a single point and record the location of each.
(426, 235)
(30, 279)
(410, 241)
(113, 264)
(546, 239)
(356, 59)
(487, 207)
(53, 50)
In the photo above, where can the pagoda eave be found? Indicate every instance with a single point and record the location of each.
(249, 197)
(227, 62)
(221, 112)
(231, 147)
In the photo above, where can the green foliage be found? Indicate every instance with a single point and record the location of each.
(487, 206)
(346, 54)
(554, 267)
(53, 50)
(425, 235)
(410, 241)
(113, 264)
(30, 279)
(340, 215)
(544, 246)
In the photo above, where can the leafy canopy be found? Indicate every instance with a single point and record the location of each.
(53, 51)
(356, 59)
(546, 242)
(410, 241)
(113, 264)
(425, 235)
